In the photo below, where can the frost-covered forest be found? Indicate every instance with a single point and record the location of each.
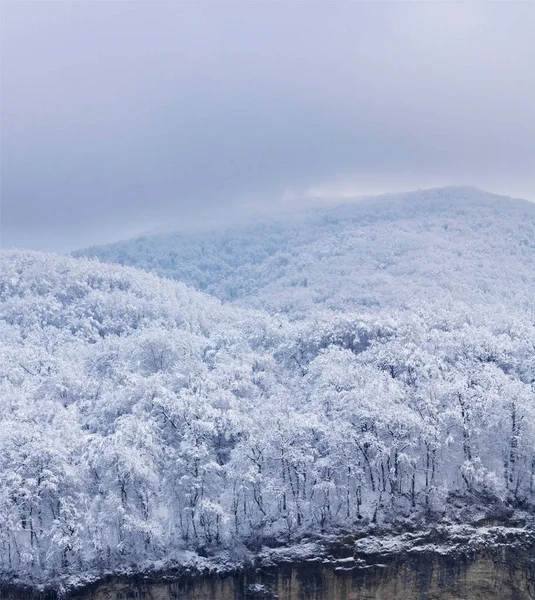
(374, 361)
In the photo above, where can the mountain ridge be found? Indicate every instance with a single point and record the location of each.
(354, 254)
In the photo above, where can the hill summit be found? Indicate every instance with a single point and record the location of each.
(454, 244)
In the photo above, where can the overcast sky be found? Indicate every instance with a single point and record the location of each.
(118, 117)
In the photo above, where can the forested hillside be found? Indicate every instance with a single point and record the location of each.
(141, 420)
(448, 244)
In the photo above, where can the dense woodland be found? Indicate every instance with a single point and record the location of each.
(385, 365)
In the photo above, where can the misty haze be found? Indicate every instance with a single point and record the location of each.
(267, 283)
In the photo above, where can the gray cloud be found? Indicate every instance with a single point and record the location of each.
(122, 116)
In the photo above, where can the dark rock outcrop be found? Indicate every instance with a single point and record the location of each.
(449, 563)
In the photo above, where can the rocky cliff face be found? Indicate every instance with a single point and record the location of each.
(456, 563)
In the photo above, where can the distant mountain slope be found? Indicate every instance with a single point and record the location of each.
(457, 244)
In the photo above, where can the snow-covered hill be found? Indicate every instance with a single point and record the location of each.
(97, 363)
(448, 244)
(143, 422)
